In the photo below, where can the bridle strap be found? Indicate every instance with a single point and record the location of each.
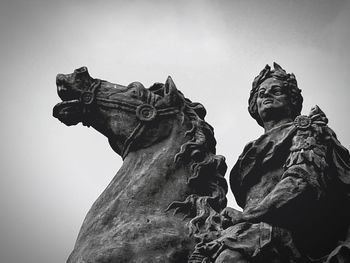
(116, 104)
(146, 112)
(87, 98)
(135, 133)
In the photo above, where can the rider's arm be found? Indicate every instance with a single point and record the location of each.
(301, 184)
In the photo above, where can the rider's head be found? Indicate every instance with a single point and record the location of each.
(265, 81)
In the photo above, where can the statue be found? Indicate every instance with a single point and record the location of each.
(167, 203)
(293, 184)
(170, 188)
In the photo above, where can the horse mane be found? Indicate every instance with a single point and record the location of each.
(207, 183)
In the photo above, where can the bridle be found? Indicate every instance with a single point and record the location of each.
(145, 112)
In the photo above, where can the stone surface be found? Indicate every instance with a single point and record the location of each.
(167, 202)
(170, 187)
(293, 184)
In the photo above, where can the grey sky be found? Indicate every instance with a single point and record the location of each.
(51, 174)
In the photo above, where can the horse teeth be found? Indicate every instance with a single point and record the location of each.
(69, 102)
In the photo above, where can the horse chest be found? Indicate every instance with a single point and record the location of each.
(142, 238)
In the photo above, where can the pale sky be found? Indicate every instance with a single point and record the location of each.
(51, 174)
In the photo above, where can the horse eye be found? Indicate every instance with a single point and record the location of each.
(134, 93)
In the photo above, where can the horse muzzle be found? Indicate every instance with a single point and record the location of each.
(68, 111)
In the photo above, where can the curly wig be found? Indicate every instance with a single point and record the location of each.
(290, 83)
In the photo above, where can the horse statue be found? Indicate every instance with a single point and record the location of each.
(170, 189)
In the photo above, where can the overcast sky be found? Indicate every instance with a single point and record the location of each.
(51, 174)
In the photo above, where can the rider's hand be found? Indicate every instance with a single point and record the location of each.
(231, 217)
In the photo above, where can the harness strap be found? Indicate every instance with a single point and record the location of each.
(127, 144)
(114, 104)
(87, 98)
(146, 112)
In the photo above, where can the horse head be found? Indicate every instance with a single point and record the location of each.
(122, 113)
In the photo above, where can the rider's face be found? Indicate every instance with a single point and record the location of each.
(272, 96)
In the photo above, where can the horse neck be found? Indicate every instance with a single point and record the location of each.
(151, 178)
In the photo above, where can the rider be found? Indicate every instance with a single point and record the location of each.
(293, 184)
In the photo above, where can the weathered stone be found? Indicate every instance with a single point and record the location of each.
(293, 184)
(170, 170)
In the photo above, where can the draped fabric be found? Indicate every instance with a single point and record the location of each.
(308, 203)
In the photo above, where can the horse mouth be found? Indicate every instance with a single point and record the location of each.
(69, 112)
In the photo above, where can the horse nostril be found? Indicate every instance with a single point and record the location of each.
(60, 78)
(81, 70)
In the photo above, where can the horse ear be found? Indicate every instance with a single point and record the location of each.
(169, 86)
(171, 96)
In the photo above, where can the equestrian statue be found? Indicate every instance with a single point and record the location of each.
(167, 203)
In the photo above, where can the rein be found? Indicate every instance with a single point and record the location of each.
(145, 112)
